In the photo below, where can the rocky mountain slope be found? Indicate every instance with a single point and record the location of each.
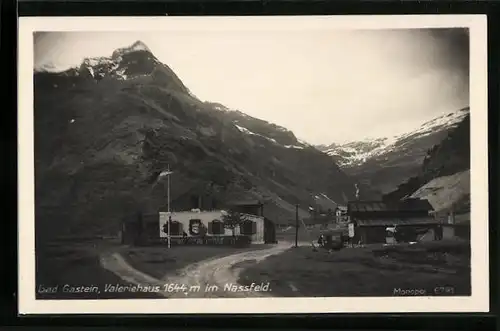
(386, 162)
(444, 175)
(447, 192)
(104, 132)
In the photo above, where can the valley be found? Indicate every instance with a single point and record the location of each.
(108, 130)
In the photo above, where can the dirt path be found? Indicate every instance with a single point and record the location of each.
(217, 271)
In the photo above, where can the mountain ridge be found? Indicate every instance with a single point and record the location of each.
(384, 163)
(444, 174)
(378, 146)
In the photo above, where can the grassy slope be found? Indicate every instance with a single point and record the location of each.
(443, 192)
(77, 264)
(365, 271)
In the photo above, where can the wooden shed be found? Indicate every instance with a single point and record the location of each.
(372, 218)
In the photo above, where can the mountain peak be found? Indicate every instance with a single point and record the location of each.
(356, 153)
(135, 47)
(123, 64)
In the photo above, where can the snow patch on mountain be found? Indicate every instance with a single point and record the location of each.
(327, 198)
(448, 120)
(358, 152)
(245, 130)
(322, 202)
(112, 66)
(95, 61)
(294, 146)
(91, 70)
(303, 143)
(121, 74)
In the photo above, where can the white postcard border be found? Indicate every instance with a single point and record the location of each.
(478, 302)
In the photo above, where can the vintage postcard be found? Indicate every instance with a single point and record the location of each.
(314, 164)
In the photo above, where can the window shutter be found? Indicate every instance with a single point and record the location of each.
(217, 227)
(211, 227)
(247, 228)
(175, 228)
(254, 227)
(180, 228)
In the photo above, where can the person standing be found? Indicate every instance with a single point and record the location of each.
(321, 240)
(439, 232)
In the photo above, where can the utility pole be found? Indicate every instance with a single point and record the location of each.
(168, 205)
(160, 177)
(296, 225)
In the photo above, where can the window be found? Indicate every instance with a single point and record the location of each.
(175, 228)
(248, 228)
(216, 227)
(196, 227)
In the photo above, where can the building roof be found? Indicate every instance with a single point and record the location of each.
(363, 206)
(397, 221)
(403, 205)
(415, 204)
(245, 203)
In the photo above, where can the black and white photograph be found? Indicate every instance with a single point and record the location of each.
(331, 164)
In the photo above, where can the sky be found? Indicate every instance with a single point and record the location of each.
(327, 86)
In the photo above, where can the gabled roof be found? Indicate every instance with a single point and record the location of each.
(367, 206)
(245, 203)
(413, 204)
